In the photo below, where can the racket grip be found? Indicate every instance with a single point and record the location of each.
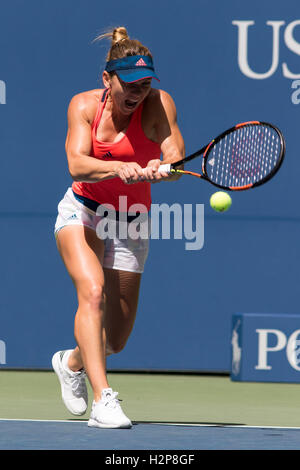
(166, 167)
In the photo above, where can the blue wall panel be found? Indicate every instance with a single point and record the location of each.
(250, 258)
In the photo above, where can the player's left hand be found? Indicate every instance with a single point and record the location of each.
(151, 174)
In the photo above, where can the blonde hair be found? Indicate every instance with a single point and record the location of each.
(122, 45)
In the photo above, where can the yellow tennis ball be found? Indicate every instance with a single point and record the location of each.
(220, 201)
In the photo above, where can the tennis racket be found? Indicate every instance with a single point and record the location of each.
(243, 157)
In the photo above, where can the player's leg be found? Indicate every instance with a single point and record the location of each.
(122, 293)
(123, 264)
(121, 301)
(82, 253)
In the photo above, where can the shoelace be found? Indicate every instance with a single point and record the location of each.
(78, 383)
(111, 400)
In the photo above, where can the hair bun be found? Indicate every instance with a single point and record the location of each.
(119, 34)
(121, 44)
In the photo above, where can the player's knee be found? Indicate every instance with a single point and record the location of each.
(115, 346)
(94, 296)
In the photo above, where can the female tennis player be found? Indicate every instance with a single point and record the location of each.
(115, 140)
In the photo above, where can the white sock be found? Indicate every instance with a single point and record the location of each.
(106, 392)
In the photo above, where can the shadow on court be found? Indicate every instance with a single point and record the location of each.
(191, 423)
(174, 423)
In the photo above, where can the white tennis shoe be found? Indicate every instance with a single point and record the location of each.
(107, 412)
(73, 387)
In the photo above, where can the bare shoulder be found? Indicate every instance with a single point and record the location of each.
(157, 97)
(166, 98)
(159, 104)
(84, 105)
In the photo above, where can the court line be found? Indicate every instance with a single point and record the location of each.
(238, 426)
(45, 420)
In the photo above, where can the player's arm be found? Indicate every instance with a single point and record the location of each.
(167, 131)
(79, 143)
(168, 134)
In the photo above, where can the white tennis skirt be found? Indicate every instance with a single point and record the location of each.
(126, 254)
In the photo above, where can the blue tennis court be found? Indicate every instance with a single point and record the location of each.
(71, 435)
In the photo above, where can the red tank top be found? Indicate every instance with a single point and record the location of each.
(133, 147)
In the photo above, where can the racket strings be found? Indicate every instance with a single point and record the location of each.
(244, 156)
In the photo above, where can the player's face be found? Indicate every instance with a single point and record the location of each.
(128, 96)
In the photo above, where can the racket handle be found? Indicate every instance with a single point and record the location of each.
(166, 167)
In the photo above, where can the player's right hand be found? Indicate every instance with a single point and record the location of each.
(130, 172)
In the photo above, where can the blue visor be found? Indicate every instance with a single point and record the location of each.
(132, 68)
